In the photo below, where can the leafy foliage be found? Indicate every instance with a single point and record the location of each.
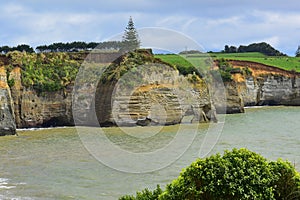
(238, 174)
(298, 52)
(262, 47)
(146, 194)
(75, 46)
(45, 72)
(127, 62)
(231, 49)
(79, 46)
(187, 70)
(21, 47)
(287, 182)
(10, 81)
(224, 71)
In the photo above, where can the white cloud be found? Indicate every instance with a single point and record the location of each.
(281, 30)
(273, 41)
(211, 23)
(278, 17)
(232, 20)
(13, 9)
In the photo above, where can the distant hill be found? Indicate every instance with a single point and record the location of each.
(190, 52)
(262, 47)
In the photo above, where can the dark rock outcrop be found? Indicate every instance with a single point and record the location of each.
(7, 119)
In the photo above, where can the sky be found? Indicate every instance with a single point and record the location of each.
(211, 23)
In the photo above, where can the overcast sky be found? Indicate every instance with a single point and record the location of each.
(211, 23)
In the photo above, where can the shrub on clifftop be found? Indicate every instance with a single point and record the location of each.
(238, 174)
(45, 72)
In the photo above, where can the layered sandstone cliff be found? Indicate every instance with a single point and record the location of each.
(149, 92)
(139, 90)
(265, 85)
(33, 109)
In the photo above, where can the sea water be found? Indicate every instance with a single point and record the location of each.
(57, 164)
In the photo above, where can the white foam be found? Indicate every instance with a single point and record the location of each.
(3, 180)
(2, 197)
(37, 129)
(4, 184)
(247, 107)
(6, 187)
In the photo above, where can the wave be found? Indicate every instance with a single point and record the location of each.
(246, 107)
(44, 128)
(2, 197)
(4, 184)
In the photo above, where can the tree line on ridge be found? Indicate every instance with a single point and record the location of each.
(262, 47)
(65, 47)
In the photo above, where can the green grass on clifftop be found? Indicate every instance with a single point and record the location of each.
(282, 62)
(187, 64)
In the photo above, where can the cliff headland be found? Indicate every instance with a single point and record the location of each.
(36, 90)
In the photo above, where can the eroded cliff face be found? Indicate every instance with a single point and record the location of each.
(7, 118)
(40, 110)
(137, 90)
(162, 98)
(154, 93)
(228, 99)
(149, 92)
(265, 85)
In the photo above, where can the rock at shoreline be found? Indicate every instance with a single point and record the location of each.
(266, 85)
(138, 89)
(149, 92)
(7, 119)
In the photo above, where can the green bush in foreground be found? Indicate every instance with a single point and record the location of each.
(146, 194)
(238, 174)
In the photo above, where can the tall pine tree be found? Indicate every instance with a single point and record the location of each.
(130, 38)
(298, 52)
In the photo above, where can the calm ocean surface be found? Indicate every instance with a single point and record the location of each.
(55, 164)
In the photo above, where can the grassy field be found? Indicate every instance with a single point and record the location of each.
(283, 62)
(200, 61)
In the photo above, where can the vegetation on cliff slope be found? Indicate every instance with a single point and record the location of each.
(55, 71)
(127, 62)
(44, 71)
(238, 174)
